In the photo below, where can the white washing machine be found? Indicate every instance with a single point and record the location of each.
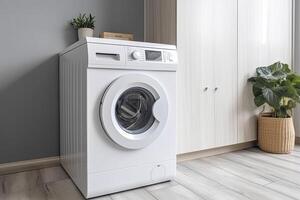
(117, 114)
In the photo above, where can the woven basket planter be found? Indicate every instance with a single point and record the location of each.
(275, 135)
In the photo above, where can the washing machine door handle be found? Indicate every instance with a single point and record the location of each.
(160, 110)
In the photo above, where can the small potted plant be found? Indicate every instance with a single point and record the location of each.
(277, 87)
(85, 25)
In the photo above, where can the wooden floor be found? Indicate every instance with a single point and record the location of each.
(248, 174)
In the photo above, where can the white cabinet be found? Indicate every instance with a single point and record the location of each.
(207, 74)
(220, 44)
(264, 37)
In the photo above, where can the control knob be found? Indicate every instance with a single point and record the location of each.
(136, 55)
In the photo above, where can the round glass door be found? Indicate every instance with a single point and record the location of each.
(134, 110)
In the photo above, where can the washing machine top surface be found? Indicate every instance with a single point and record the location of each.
(95, 40)
(118, 54)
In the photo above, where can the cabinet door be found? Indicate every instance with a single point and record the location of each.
(205, 32)
(265, 37)
(225, 71)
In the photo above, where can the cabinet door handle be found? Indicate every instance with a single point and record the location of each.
(205, 89)
(216, 88)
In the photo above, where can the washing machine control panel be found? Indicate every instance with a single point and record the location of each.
(151, 55)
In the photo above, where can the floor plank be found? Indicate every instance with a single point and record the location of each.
(235, 183)
(52, 174)
(272, 160)
(244, 175)
(286, 157)
(286, 188)
(204, 187)
(177, 192)
(107, 197)
(36, 193)
(295, 154)
(63, 190)
(133, 195)
(13, 183)
(267, 168)
(241, 171)
(161, 186)
(297, 148)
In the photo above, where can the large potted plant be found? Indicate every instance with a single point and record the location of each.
(277, 88)
(85, 25)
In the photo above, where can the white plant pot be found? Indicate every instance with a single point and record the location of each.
(85, 32)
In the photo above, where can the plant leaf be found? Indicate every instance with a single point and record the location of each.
(275, 71)
(257, 89)
(83, 21)
(259, 100)
(291, 104)
(271, 98)
(264, 72)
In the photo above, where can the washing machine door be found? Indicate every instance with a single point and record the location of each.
(134, 110)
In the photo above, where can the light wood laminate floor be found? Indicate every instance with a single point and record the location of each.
(243, 175)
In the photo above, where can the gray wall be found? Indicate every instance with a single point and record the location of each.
(32, 33)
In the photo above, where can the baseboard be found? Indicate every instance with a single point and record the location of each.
(297, 140)
(214, 151)
(14, 167)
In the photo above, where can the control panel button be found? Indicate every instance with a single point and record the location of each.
(136, 55)
(171, 58)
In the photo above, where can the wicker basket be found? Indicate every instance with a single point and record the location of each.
(275, 135)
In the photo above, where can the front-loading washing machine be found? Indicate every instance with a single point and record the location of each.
(117, 114)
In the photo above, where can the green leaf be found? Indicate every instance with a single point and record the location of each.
(279, 75)
(271, 98)
(291, 104)
(277, 86)
(275, 71)
(264, 72)
(259, 100)
(256, 90)
(263, 82)
(252, 79)
(287, 90)
(281, 91)
(294, 79)
(280, 67)
(282, 113)
(83, 21)
(286, 68)
(297, 85)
